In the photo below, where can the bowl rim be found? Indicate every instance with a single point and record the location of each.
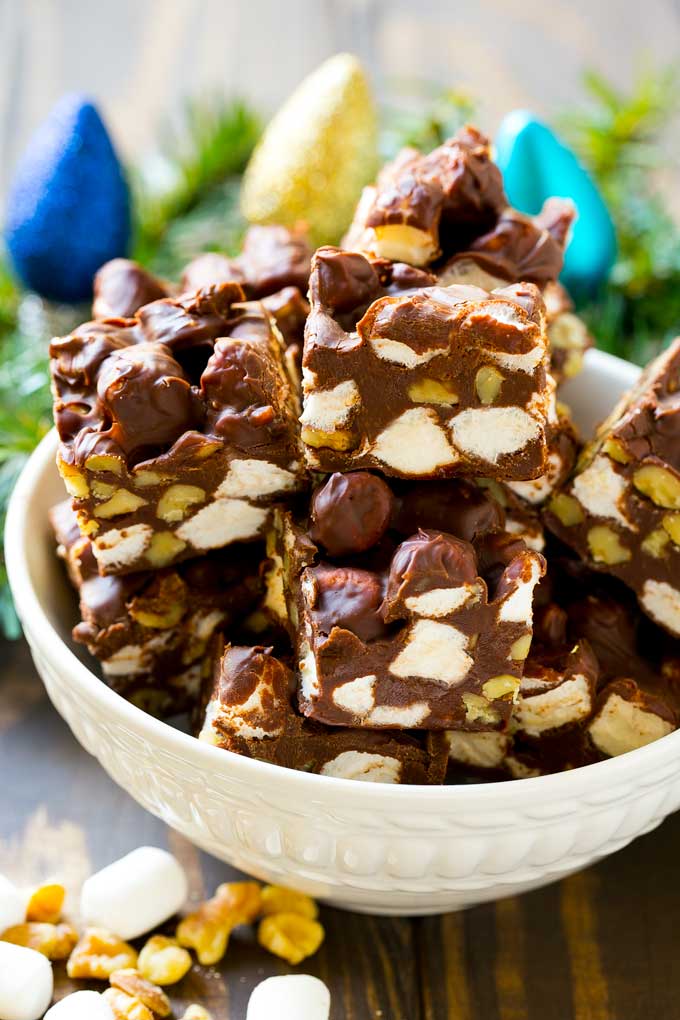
(216, 760)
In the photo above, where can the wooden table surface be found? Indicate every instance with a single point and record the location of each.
(601, 945)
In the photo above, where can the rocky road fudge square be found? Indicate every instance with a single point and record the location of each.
(395, 622)
(151, 631)
(431, 382)
(447, 211)
(600, 680)
(621, 509)
(249, 709)
(178, 427)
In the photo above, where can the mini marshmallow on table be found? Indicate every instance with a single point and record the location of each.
(26, 983)
(136, 893)
(12, 905)
(290, 997)
(81, 1006)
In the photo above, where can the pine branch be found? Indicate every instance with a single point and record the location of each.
(620, 139)
(211, 143)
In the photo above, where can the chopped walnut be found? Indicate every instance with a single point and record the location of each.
(126, 1007)
(290, 936)
(137, 986)
(163, 961)
(98, 954)
(55, 941)
(207, 930)
(276, 899)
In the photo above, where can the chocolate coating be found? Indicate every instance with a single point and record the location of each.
(210, 268)
(194, 320)
(273, 257)
(520, 248)
(456, 507)
(610, 628)
(427, 561)
(236, 385)
(351, 513)
(146, 396)
(348, 598)
(344, 281)
(121, 287)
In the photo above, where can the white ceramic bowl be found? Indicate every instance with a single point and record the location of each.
(384, 849)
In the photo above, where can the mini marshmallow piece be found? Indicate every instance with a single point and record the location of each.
(12, 905)
(136, 893)
(26, 983)
(290, 997)
(81, 1006)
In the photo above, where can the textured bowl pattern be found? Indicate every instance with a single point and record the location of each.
(384, 849)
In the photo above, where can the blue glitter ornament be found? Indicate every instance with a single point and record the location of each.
(68, 208)
(535, 165)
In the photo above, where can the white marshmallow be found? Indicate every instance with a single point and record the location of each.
(290, 997)
(136, 893)
(81, 1006)
(26, 983)
(12, 905)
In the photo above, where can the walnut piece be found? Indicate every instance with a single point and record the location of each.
(290, 936)
(163, 961)
(659, 484)
(126, 1007)
(207, 930)
(98, 954)
(339, 440)
(135, 985)
(431, 391)
(488, 382)
(276, 899)
(605, 546)
(55, 941)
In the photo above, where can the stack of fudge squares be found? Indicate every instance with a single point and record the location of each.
(330, 505)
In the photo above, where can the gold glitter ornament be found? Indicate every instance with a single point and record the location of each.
(316, 154)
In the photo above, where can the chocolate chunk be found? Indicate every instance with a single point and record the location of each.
(121, 287)
(457, 507)
(550, 626)
(351, 513)
(190, 321)
(275, 257)
(520, 248)
(611, 630)
(349, 598)
(211, 268)
(147, 397)
(343, 282)
(426, 562)
(443, 198)
(237, 384)
(403, 277)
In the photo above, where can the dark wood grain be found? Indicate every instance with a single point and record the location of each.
(597, 946)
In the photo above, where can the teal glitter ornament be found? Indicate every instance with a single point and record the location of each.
(68, 207)
(535, 165)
